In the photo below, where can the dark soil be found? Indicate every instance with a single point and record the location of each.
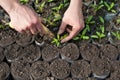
(39, 70)
(50, 52)
(70, 52)
(89, 79)
(24, 39)
(100, 67)
(1, 54)
(7, 37)
(110, 52)
(4, 71)
(70, 79)
(50, 78)
(31, 53)
(115, 65)
(13, 52)
(89, 51)
(60, 69)
(115, 75)
(20, 70)
(80, 69)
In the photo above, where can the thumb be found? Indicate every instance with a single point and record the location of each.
(62, 28)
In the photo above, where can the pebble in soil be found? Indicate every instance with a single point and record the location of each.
(7, 37)
(20, 70)
(31, 53)
(60, 69)
(100, 67)
(4, 71)
(70, 52)
(13, 52)
(89, 51)
(24, 39)
(109, 51)
(1, 54)
(80, 69)
(39, 70)
(50, 52)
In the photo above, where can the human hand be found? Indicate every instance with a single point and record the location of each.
(25, 20)
(74, 18)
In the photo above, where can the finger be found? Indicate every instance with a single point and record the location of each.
(40, 29)
(27, 31)
(68, 30)
(72, 34)
(33, 30)
(62, 28)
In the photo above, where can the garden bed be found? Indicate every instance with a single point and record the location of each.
(92, 55)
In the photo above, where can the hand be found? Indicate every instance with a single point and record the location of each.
(25, 20)
(74, 18)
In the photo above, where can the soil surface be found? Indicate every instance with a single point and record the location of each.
(89, 51)
(60, 69)
(20, 70)
(39, 70)
(109, 51)
(13, 52)
(100, 67)
(31, 53)
(70, 52)
(50, 52)
(24, 39)
(1, 54)
(80, 69)
(4, 71)
(7, 36)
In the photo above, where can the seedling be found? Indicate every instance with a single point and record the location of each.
(116, 34)
(56, 41)
(41, 7)
(110, 7)
(99, 34)
(58, 38)
(98, 6)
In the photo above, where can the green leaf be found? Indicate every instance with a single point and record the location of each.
(89, 19)
(95, 36)
(76, 38)
(86, 37)
(101, 19)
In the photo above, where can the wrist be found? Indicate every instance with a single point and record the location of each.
(76, 4)
(9, 5)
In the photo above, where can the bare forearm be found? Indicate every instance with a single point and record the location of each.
(9, 5)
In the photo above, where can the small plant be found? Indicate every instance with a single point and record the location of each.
(110, 7)
(116, 34)
(56, 41)
(58, 38)
(99, 34)
(98, 6)
(41, 6)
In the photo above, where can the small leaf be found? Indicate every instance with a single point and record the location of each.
(95, 36)
(101, 19)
